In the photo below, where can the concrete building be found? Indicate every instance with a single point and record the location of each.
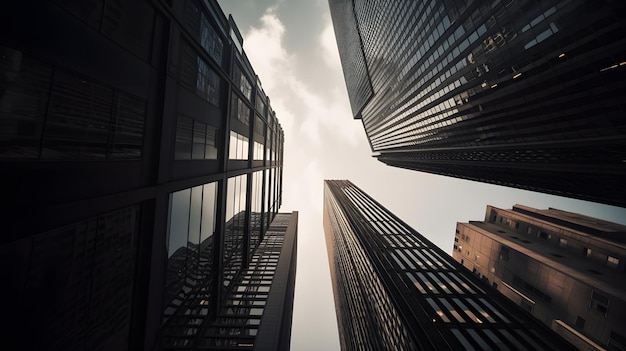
(395, 290)
(526, 94)
(565, 268)
(141, 171)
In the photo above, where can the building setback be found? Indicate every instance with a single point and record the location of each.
(395, 290)
(526, 94)
(565, 268)
(141, 176)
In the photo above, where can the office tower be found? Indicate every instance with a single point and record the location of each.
(395, 290)
(567, 269)
(141, 169)
(526, 94)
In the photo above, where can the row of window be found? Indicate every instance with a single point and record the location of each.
(611, 261)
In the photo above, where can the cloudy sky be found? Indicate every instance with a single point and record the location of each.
(291, 45)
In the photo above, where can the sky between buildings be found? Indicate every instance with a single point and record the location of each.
(291, 46)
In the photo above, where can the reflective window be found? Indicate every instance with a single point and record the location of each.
(257, 151)
(210, 41)
(191, 225)
(238, 146)
(234, 227)
(195, 140)
(239, 110)
(207, 83)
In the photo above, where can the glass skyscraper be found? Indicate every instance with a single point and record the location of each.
(395, 290)
(527, 94)
(141, 177)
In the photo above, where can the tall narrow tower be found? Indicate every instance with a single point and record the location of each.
(394, 290)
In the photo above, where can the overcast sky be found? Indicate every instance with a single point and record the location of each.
(291, 46)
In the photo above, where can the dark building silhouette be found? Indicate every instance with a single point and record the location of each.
(527, 94)
(141, 170)
(395, 290)
(567, 269)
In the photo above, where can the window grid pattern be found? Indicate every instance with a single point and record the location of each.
(195, 140)
(360, 296)
(238, 322)
(439, 56)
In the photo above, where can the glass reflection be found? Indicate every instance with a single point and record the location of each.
(189, 275)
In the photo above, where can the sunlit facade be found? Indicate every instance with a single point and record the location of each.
(141, 172)
(527, 94)
(395, 290)
(566, 268)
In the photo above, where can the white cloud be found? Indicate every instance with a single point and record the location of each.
(303, 113)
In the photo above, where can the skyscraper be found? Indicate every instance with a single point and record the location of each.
(141, 174)
(395, 290)
(526, 94)
(565, 268)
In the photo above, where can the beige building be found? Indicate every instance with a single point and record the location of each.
(567, 269)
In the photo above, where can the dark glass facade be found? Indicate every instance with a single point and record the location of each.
(565, 268)
(395, 290)
(141, 169)
(525, 94)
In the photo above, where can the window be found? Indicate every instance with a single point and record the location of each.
(238, 147)
(616, 342)
(586, 251)
(599, 302)
(562, 242)
(195, 140)
(257, 151)
(259, 126)
(242, 82)
(239, 110)
(209, 40)
(544, 235)
(191, 225)
(612, 262)
(207, 83)
(580, 322)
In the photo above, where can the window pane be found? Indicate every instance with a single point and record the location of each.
(184, 133)
(199, 138)
(195, 215)
(209, 199)
(178, 220)
(210, 152)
